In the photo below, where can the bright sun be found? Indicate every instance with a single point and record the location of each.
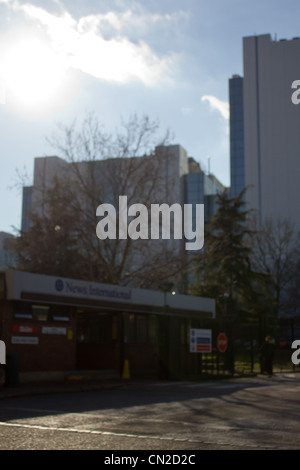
(33, 74)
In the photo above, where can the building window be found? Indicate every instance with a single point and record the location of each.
(40, 312)
(49, 313)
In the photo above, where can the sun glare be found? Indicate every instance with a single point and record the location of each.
(33, 74)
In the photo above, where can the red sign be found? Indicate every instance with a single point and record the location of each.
(24, 329)
(203, 348)
(222, 342)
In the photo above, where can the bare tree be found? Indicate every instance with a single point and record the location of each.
(275, 253)
(97, 168)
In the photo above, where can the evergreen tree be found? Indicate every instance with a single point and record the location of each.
(223, 266)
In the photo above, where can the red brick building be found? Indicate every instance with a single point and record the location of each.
(67, 325)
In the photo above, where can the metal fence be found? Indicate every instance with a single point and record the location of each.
(242, 355)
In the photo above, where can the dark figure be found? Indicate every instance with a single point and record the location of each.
(267, 356)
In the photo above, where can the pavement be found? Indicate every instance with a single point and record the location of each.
(73, 384)
(66, 386)
(25, 384)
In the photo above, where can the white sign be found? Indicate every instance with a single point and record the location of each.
(200, 340)
(20, 283)
(24, 340)
(54, 330)
(2, 353)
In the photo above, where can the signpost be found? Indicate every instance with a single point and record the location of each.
(200, 340)
(222, 342)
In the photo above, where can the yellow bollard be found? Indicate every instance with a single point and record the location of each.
(126, 371)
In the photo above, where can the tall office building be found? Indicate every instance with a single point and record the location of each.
(7, 257)
(201, 188)
(237, 161)
(270, 130)
(26, 207)
(181, 180)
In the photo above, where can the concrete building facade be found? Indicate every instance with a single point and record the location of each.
(237, 158)
(176, 174)
(169, 176)
(271, 123)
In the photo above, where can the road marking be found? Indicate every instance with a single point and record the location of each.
(88, 431)
(141, 436)
(109, 416)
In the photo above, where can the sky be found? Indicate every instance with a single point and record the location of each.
(168, 59)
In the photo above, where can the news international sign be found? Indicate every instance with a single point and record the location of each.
(87, 289)
(20, 285)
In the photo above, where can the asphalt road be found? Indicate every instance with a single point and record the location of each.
(258, 413)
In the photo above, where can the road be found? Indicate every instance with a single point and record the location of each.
(258, 413)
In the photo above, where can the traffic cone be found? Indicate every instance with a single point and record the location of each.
(126, 371)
